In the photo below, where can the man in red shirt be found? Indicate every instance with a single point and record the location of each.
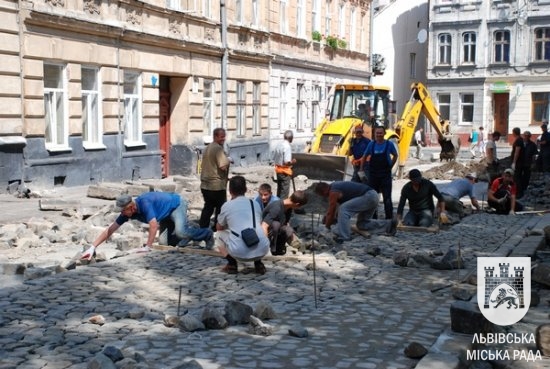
(502, 194)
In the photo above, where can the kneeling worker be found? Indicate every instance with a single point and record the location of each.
(455, 190)
(420, 192)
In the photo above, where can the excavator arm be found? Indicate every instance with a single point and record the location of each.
(420, 102)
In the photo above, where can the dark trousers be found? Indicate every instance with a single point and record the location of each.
(213, 201)
(383, 185)
(278, 236)
(522, 176)
(283, 185)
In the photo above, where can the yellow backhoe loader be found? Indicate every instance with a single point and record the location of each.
(327, 155)
(420, 102)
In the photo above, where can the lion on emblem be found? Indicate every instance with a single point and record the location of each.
(508, 297)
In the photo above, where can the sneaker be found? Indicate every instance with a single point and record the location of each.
(259, 267)
(230, 269)
(209, 242)
(143, 249)
(183, 242)
(391, 228)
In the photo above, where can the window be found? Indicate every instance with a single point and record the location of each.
(239, 11)
(542, 44)
(92, 127)
(241, 108)
(469, 40)
(301, 19)
(55, 107)
(352, 29)
(342, 20)
(207, 8)
(173, 5)
(328, 17)
(316, 16)
(208, 106)
(282, 16)
(255, 13)
(132, 109)
(412, 65)
(256, 108)
(502, 47)
(444, 105)
(541, 105)
(467, 108)
(316, 106)
(283, 105)
(300, 106)
(444, 49)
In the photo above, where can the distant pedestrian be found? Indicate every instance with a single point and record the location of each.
(544, 149)
(419, 140)
(473, 140)
(491, 157)
(214, 174)
(419, 192)
(518, 161)
(483, 137)
(282, 158)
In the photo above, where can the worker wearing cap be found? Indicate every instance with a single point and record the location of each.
(458, 188)
(163, 211)
(420, 192)
(358, 146)
(502, 194)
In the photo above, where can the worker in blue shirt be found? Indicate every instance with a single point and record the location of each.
(164, 212)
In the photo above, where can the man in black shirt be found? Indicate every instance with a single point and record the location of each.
(275, 221)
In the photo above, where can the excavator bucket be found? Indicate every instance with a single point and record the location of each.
(322, 166)
(450, 145)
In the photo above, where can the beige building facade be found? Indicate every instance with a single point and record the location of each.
(96, 91)
(489, 64)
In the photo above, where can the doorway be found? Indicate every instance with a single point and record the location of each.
(501, 110)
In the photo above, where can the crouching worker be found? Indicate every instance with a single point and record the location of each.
(236, 215)
(455, 190)
(420, 192)
(276, 218)
(346, 199)
(502, 194)
(163, 211)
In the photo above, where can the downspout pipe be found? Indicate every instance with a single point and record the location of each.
(371, 39)
(225, 57)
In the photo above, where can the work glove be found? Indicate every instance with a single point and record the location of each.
(443, 218)
(513, 166)
(512, 212)
(88, 254)
(362, 175)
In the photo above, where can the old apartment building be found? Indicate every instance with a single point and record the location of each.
(98, 90)
(489, 63)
